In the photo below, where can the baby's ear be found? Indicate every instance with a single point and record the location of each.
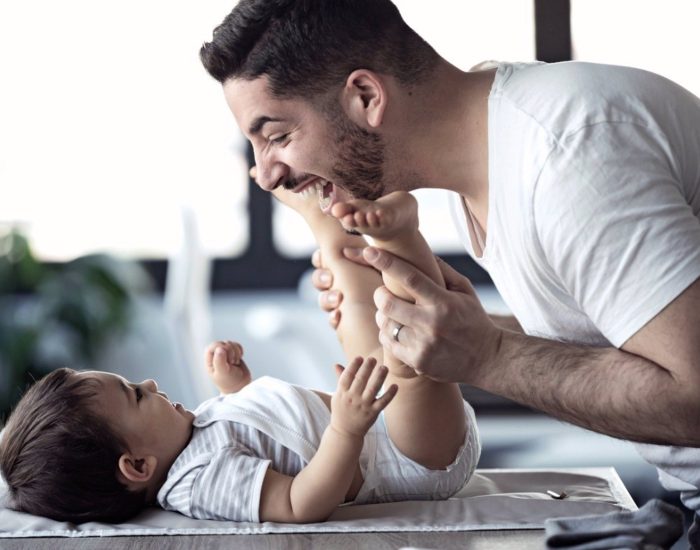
(137, 470)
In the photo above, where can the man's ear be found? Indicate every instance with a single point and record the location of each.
(364, 98)
(137, 470)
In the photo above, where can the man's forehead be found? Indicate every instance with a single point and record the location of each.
(252, 103)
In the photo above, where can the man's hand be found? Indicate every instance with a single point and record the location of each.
(446, 333)
(322, 279)
(355, 405)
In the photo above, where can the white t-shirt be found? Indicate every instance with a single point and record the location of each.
(594, 207)
(594, 198)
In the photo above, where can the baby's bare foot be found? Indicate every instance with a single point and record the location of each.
(383, 219)
(305, 202)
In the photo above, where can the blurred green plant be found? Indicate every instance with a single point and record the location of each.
(55, 315)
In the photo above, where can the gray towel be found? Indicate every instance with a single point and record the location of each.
(656, 525)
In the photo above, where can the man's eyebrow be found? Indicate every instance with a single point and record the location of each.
(259, 122)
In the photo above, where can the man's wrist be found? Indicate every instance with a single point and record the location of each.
(492, 357)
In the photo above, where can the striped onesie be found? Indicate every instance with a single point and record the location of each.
(273, 424)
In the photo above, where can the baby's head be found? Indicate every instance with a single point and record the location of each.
(90, 446)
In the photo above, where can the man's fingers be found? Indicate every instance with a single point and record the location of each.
(334, 318)
(454, 280)
(322, 279)
(389, 307)
(414, 281)
(316, 258)
(355, 255)
(330, 300)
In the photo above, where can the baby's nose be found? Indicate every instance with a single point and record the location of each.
(151, 384)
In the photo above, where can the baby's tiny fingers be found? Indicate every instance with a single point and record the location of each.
(381, 402)
(219, 360)
(234, 351)
(348, 376)
(209, 354)
(363, 374)
(375, 382)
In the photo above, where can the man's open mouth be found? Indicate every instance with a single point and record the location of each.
(325, 191)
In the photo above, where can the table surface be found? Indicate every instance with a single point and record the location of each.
(473, 540)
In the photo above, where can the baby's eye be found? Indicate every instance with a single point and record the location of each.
(139, 394)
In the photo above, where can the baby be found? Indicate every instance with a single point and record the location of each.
(89, 446)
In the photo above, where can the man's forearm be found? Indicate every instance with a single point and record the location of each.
(507, 322)
(602, 389)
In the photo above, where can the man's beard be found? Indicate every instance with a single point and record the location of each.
(359, 168)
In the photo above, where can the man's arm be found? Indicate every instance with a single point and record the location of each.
(647, 391)
(506, 322)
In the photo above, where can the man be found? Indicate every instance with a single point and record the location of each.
(577, 187)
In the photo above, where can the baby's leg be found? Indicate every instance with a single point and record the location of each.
(357, 331)
(426, 419)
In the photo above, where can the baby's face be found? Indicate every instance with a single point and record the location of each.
(147, 420)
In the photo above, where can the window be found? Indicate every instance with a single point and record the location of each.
(656, 36)
(110, 124)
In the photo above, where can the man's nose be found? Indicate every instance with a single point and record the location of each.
(269, 176)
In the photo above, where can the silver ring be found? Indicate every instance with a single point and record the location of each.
(395, 332)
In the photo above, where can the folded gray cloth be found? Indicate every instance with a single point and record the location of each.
(656, 525)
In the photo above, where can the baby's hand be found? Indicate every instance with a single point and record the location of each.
(225, 365)
(355, 405)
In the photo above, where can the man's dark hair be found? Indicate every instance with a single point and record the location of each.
(60, 458)
(309, 47)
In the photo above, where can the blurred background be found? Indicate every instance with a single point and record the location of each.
(130, 235)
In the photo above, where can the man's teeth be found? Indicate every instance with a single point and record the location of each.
(323, 202)
(317, 188)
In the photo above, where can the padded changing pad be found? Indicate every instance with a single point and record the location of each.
(492, 500)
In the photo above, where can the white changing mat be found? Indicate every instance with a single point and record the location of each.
(492, 500)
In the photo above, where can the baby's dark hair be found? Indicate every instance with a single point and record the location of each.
(60, 458)
(309, 47)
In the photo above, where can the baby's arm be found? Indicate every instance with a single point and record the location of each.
(315, 492)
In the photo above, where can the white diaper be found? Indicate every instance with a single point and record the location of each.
(391, 476)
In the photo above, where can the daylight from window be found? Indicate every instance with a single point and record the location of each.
(111, 127)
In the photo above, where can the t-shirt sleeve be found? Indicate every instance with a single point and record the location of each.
(615, 227)
(229, 486)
